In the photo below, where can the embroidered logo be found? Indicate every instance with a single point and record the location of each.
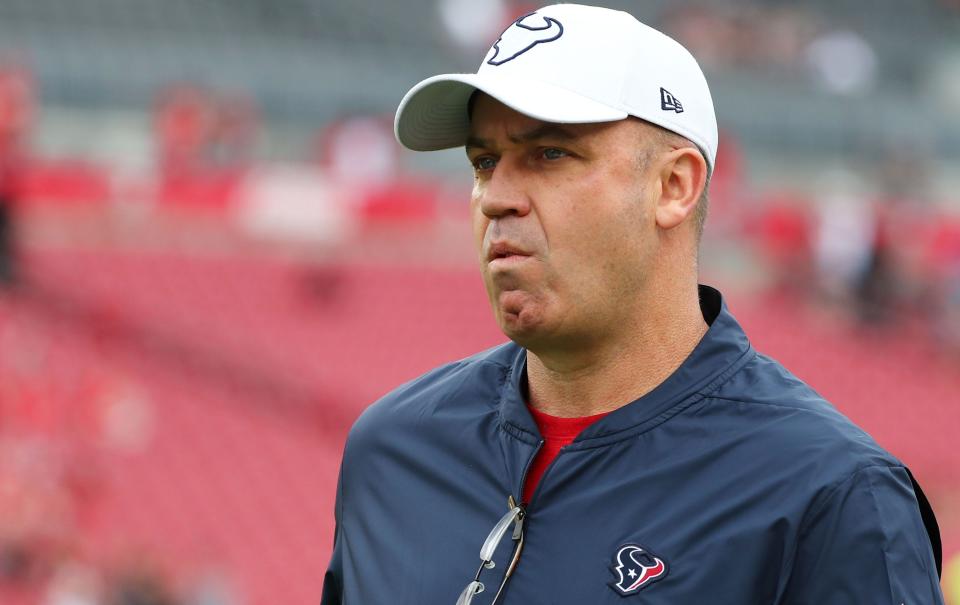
(636, 567)
(525, 33)
(669, 102)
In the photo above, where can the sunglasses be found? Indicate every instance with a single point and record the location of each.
(515, 517)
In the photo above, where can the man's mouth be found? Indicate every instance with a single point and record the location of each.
(506, 252)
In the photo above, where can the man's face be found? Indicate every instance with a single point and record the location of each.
(563, 218)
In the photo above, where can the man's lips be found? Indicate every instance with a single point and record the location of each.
(504, 251)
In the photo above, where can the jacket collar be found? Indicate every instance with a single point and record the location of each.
(723, 350)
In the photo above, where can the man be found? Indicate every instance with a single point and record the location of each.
(630, 441)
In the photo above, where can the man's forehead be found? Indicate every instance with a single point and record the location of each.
(492, 121)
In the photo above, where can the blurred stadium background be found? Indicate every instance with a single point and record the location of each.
(213, 256)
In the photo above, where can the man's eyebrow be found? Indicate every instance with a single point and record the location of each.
(477, 142)
(545, 131)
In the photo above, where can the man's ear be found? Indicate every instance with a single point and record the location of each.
(683, 175)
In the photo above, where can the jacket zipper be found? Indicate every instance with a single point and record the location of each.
(523, 476)
(525, 506)
(518, 530)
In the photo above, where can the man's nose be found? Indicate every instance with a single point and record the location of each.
(505, 192)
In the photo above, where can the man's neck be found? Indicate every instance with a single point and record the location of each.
(610, 375)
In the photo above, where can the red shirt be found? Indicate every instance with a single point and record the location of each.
(557, 432)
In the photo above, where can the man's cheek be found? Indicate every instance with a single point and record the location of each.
(480, 223)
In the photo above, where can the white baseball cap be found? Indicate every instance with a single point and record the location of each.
(569, 63)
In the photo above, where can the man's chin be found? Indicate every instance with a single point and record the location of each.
(525, 329)
(520, 316)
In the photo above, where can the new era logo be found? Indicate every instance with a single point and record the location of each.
(668, 102)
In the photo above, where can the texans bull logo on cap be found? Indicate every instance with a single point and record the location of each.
(525, 33)
(636, 568)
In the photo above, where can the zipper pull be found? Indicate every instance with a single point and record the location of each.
(521, 516)
(518, 526)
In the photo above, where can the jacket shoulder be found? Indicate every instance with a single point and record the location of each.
(465, 386)
(797, 425)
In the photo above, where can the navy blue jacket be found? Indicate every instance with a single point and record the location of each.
(739, 478)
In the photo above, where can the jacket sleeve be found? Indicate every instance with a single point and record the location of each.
(865, 542)
(333, 579)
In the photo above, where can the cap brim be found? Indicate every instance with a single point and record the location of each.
(434, 114)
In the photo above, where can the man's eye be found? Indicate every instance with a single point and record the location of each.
(484, 162)
(552, 153)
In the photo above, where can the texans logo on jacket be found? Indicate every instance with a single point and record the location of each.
(635, 568)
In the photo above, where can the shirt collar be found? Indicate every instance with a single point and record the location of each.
(722, 350)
